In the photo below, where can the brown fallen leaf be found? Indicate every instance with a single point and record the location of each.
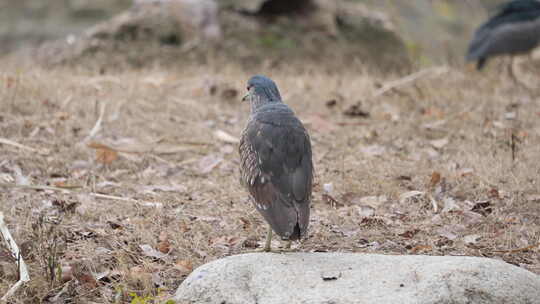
(494, 193)
(246, 225)
(97, 145)
(183, 227)
(104, 154)
(59, 184)
(419, 248)
(184, 266)
(432, 111)
(234, 241)
(164, 245)
(435, 179)
(409, 234)
(87, 280)
(12, 81)
(83, 276)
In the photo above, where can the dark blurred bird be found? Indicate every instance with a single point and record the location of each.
(515, 29)
(275, 162)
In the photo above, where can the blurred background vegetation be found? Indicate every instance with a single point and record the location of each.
(434, 31)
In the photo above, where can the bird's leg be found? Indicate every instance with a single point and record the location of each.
(511, 71)
(516, 79)
(267, 245)
(287, 247)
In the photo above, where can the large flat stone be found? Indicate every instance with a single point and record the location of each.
(266, 278)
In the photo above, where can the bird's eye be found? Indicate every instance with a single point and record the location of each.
(248, 87)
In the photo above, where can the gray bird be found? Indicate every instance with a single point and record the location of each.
(515, 29)
(275, 162)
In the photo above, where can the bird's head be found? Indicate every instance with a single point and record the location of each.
(261, 90)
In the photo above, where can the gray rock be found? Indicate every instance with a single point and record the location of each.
(358, 278)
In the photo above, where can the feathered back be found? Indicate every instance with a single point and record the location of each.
(275, 161)
(514, 11)
(512, 30)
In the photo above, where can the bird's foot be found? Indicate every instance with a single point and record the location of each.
(285, 249)
(263, 249)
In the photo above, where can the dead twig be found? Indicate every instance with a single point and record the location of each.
(40, 187)
(148, 147)
(518, 249)
(351, 124)
(97, 126)
(433, 203)
(12, 246)
(8, 142)
(70, 189)
(409, 78)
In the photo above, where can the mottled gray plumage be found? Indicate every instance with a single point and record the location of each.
(515, 29)
(275, 161)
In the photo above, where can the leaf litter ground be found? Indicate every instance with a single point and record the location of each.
(119, 185)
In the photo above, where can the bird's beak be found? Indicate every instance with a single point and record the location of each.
(246, 97)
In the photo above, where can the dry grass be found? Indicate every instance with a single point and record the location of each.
(182, 180)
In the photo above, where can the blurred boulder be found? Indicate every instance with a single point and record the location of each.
(197, 17)
(358, 278)
(28, 23)
(251, 33)
(269, 7)
(339, 32)
(137, 34)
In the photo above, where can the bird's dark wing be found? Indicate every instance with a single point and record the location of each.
(515, 29)
(511, 38)
(277, 170)
(514, 12)
(517, 6)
